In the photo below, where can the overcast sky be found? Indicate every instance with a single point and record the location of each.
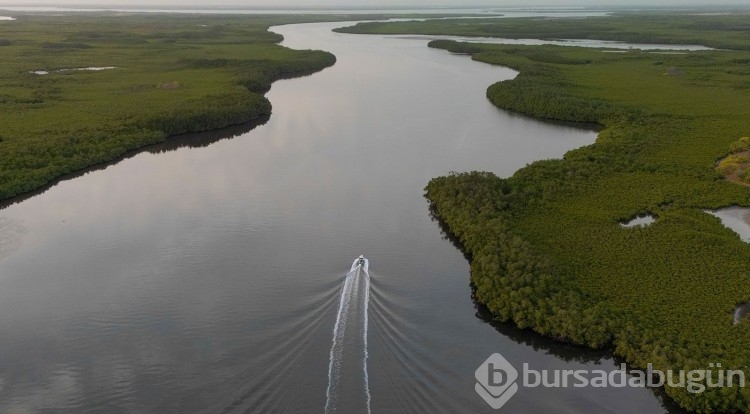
(358, 3)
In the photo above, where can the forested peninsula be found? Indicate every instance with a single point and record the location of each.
(546, 245)
(83, 89)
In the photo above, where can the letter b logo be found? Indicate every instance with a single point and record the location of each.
(496, 381)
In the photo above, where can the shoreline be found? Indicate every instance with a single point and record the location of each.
(548, 199)
(170, 143)
(38, 160)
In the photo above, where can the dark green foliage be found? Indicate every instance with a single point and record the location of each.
(213, 75)
(255, 83)
(539, 89)
(64, 46)
(511, 279)
(211, 112)
(545, 245)
(106, 36)
(719, 31)
(455, 47)
(40, 161)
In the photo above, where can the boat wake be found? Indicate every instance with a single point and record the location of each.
(348, 382)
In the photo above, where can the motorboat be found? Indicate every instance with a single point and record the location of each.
(361, 262)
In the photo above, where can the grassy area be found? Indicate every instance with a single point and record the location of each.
(171, 74)
(547, 251)
(735, 167)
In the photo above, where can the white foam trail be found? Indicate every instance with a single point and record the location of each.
(356, 284)
(333, 362)
(367, 354)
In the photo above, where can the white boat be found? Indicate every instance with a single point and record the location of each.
(361, 262)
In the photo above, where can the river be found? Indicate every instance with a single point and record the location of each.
(204, 275)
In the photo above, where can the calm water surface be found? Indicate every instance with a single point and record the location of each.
(204, 275)
(736, 218)
(640, 221)
(592, 43)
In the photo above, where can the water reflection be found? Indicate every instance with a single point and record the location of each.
(11, 236)
(205, 280)
(741, 312)
(194, 140)
(590, 43)
(539, 343)
(736, 218)
(639, 221)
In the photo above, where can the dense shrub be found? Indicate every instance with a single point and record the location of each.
(546, 248)
(61, 122)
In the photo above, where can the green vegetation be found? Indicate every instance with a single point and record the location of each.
(172, 74)
(719, 31)
(546, 248)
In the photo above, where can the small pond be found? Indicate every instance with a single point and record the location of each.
(90, 68)
(736, 218)
(639, 221)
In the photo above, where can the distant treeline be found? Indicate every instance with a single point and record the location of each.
(721, 31)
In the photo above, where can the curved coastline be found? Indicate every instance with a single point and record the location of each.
(525, 234)
(245, 124)
(170, 143)
(77, 146)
